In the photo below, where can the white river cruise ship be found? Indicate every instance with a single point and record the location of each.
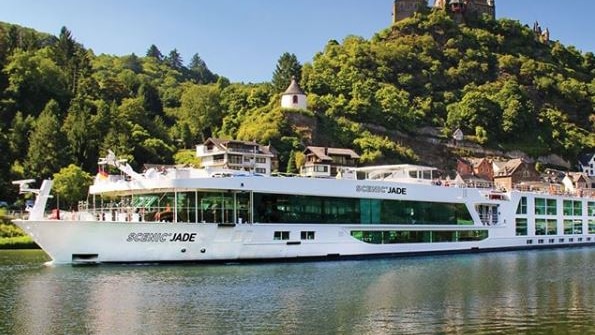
(197, 215)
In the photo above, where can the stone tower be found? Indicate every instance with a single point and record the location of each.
(403, 9)
(477, 7)
(480, 7)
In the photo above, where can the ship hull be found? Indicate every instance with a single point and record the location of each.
(84, 242)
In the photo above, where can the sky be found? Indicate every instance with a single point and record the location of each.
(243, 39)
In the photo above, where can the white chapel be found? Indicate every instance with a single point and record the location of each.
(294, 97)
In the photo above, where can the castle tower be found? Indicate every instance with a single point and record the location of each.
(403, 9)
(457, 6)
(480, 7)
(294, 97)
(458, 9)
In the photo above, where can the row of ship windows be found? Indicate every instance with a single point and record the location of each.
(561, 240)
(284, 235)
(550, 227)
(394, 237)
(544, 206)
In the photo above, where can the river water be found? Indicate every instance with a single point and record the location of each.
(524, 292)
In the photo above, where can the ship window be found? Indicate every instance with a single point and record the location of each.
(218, 207)
(545, 206)
(275, 208)
(591, 208)
(307, 235)
(396, 237)
(573, 208)
(546, 227)
(521, 227)
(522, 209)
(573, 227)
(539, 206)
(281, 236)
(551, 207)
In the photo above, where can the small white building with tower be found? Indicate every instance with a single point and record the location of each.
(294, 97)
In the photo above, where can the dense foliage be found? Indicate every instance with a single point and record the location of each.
(60, 104)
(495, 80)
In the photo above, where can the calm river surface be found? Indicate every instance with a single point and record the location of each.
(525, 292)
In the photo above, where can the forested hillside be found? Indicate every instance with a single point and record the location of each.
(61, 104)
(493, 79)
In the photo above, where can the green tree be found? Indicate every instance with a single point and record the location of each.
(288, 67)
(34, 79)
(4, 165)
(71, 185)
(13, 39)
(394, 104)
(199, 72)
(201, 110)
(187, 158)
(48, 147)
(152, 103)
(72, 58)
(291, 164)
(81, 133)
(19, 135)
(182, 135)
(475, 109)
(174, 60)
(132, 63)
(155, 53)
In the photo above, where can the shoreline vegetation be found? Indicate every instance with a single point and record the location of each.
(19, 242)
(12, 237)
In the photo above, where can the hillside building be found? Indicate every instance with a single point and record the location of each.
(327, 162)
(237, 155)
(587, 164)
(516, 173)
(294, 97)
(403, 9)
(579, 183)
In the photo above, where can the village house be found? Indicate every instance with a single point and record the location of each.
(579, 183)
(326, 162)
(517, 173)
(587, 164)
(237, 155)
(474, 172)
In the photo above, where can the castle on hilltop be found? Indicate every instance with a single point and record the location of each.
(403, 9)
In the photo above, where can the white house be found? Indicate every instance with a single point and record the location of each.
(587, 164)
(237, 155)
